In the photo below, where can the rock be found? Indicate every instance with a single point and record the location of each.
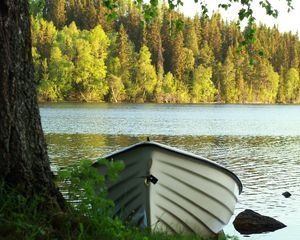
(287, 194)
(248, 222)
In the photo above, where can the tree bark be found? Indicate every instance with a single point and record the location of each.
(24, 162)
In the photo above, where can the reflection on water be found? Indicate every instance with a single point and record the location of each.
(267, 166)
(259, 143)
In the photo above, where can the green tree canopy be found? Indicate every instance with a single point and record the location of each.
(146, 78)
(203, 87)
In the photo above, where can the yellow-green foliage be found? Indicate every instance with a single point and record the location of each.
(90, 44)
(146, 78)
(203, 88)
(70, 62)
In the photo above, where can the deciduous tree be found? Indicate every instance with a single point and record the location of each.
(146, 78)
(203, 87)
(292, 85)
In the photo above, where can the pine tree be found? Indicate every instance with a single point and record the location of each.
(231, 37)
(218, 80)
(281, 98)
(230, 93)
(134, 27)
(215, 41)
(190, 37)
(102, 18)
(198, 30)
(167, 37)
(241, 88)
(83, 13)
(188, 67)
(206, 56)
(178, 57)
(294, 52)
(90, 15)
(281, 55)
(266, 82)
(44, 37)
(125, 55)
(55, 11)
(204, 29)
(70, 12)
(154, 43)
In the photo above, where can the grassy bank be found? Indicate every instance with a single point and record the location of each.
(89, 213)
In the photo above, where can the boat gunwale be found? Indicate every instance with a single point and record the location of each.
(182, 152)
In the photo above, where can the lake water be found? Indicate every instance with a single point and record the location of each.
(259, 143)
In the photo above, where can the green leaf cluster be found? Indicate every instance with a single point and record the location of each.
(69, 64)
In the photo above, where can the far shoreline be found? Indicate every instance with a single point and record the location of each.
(157, 103)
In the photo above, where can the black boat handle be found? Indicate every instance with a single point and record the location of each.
(150, 179)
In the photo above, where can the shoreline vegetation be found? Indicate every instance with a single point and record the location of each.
(88, 212)
(42, 102)
(80, 55)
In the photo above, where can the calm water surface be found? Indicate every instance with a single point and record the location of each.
(260, 143)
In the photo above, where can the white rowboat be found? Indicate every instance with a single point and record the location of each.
(172, 190)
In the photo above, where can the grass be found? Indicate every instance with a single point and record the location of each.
(89, 215)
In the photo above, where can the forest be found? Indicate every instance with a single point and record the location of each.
(81, 52)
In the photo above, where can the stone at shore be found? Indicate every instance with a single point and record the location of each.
(287, 194)
(249, 222)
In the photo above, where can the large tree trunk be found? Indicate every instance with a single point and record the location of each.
(24, 163)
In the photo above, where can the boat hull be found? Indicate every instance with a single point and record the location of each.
(192, 195)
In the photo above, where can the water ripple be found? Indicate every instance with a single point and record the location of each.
(261, 144)
(267, 166)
